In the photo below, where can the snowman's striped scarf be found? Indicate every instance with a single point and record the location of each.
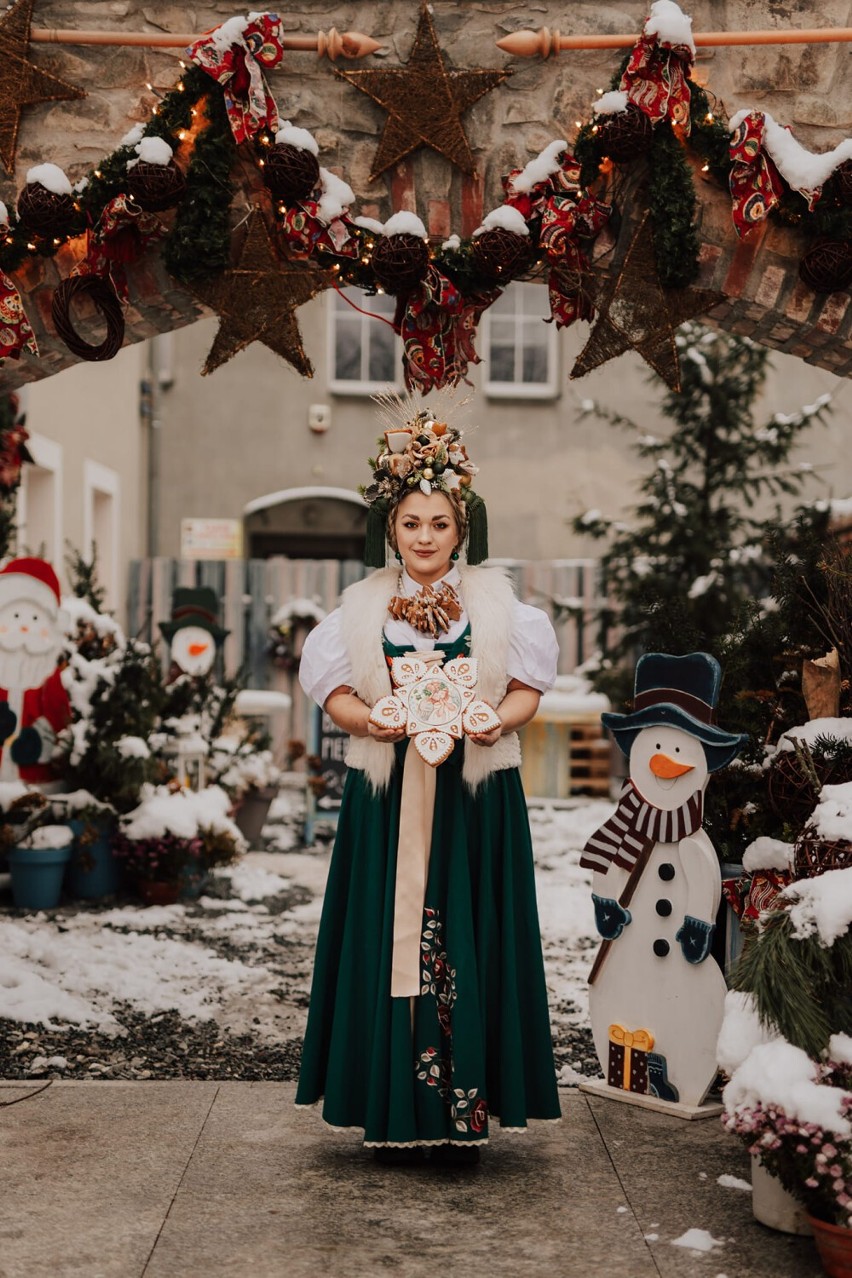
(635, 825)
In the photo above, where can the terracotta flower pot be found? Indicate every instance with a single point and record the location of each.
(156, 892)
(834, 1244)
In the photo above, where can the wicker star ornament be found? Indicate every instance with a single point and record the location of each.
(424, 101)
(256, 301)
(22, 83)
(636, 313)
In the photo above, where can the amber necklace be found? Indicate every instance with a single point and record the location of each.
(430, 610)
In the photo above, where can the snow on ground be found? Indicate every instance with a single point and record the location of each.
(242, 954)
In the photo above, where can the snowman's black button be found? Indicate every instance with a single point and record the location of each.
(661, 948)
(666, 871)
(663, 907)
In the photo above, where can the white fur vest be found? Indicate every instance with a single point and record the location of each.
(488, 601)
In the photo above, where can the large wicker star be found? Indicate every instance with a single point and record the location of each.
(637, 313)
(22, 83)
(424, 101)
(256, 300)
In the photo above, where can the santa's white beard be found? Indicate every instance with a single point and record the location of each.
(22, 669)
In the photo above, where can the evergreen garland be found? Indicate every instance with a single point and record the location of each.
(672, 204)
(199, 243)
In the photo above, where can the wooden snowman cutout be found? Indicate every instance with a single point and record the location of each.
(656, 993)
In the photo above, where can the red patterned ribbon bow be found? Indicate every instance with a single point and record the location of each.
(530, 201)
(437, 325)
(122, 234)
(565, 221)
(13, 453)
(233, 55)
(16, 334)
(304, 232)
(656, 80)
(756, 185)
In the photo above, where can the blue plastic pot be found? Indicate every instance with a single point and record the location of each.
(94, 870)
(37, 875)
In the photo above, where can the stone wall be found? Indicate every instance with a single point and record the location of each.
(805, 86)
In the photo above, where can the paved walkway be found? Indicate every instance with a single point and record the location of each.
(178, 1179)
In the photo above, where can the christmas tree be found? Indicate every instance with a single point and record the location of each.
(681, 574)
(709, 563)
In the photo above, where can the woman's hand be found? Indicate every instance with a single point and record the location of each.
(487, 738)
(384, 734)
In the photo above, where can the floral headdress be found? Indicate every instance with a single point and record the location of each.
(420, 451)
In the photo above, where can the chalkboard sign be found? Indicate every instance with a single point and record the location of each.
(331, 747)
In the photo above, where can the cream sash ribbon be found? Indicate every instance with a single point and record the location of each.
(417, 808)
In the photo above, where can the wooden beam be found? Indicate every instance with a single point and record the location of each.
(544, 42)
(332, 43)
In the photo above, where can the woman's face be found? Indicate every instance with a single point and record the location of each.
(426, 535)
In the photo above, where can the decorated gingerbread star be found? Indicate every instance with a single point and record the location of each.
(256, 301)
(435, 704)
(22, 83)
(424, 101)
(637, 313)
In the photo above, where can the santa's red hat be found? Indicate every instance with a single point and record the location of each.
(32, 581)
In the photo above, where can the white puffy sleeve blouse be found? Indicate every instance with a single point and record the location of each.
(532, 658)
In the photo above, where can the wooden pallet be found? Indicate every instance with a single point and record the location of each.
(590, 760)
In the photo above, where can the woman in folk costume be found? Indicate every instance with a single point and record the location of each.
(428, 1012)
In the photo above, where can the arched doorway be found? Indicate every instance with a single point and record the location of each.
(306, 523)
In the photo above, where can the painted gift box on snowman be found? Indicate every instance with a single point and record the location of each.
(656, 993)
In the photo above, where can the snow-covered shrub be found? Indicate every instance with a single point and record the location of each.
(175, 833)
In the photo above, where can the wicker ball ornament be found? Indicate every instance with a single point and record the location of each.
(790, 788)
(843, 182)
(625, 135)
(815, 855)
(827, 267)
(400, 262)
(101, 293)
(155, 187)
(290, 172)
(42, 210)
(500, 253)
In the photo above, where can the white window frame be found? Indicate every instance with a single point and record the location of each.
(47, 456)
(102, 480)
(343, 386)
(519, 389)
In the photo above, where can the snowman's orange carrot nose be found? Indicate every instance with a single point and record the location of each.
(663, 766)
(196, 649)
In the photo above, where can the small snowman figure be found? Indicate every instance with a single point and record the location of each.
(34, 705)
(193, 633)
(657, 995)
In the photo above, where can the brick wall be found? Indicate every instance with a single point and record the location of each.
(805, 86)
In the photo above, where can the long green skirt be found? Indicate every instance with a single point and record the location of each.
(476, 1043)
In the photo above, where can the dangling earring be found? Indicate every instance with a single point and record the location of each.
(454, 556)
(398, 557)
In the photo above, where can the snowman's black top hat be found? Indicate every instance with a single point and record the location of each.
(678, 692)
(194, 606)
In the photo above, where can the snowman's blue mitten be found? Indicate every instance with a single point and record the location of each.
(26, 748)
(8, 720)
(695, 937)
(610, 918)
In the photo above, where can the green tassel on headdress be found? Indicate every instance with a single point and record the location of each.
(374, 546)
(477, 528)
